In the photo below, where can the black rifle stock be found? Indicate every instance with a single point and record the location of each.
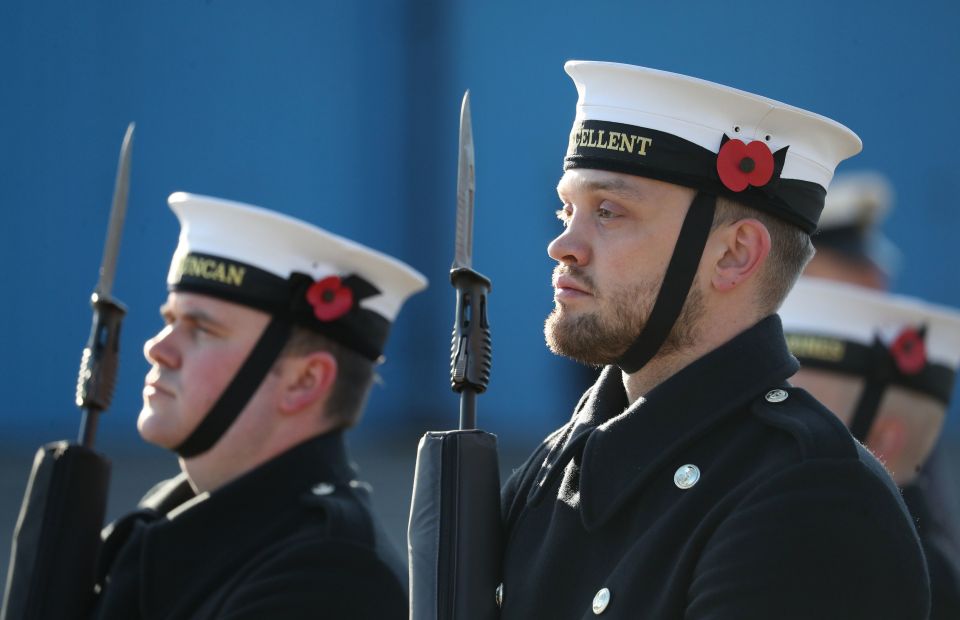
(57, 537)
(455, 536)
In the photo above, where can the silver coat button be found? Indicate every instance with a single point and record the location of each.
(500, 595)
(324, 488)
(360, 484)
(601, 600)
(776, 396)
(686, 476)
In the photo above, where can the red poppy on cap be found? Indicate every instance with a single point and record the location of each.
(329, 298)
(740, 165)
(909, 351)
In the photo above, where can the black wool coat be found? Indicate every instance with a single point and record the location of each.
(291, 539)
(930, 500)
(784, 517)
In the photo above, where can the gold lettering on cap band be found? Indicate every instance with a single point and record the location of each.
(210, 269)
(609, 140)
(814, 347)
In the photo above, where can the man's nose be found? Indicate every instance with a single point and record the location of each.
(571, 247)
(161, 349)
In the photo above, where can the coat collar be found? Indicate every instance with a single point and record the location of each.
(564, 443)
(623, 448)
(233, 521)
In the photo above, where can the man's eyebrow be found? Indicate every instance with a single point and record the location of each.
(614, 185)
(193, 315)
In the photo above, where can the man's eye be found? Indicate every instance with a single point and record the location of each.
(202, 330)
(607, 210)
(564, 216)
(196, 329)
(606, 214)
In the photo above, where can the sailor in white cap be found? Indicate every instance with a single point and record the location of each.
(852, 248)
(867, 354)
(693, 480)
(273, 331)
(885, 365)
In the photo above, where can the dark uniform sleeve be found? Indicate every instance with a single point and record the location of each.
(940, 546)
(328, 580)
(826, 539)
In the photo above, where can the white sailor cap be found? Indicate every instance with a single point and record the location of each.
(860, 199)
(845, 328)
(289, 268)
(687, 131)
(850, 223)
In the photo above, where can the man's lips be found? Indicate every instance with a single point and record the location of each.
(151, 388)
(566, 283)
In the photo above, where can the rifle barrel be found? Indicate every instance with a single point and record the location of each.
(88, 427)
(468, 409)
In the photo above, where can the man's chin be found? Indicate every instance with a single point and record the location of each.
(154, 428)
(565, 337)
(563, 316)
(583, 338)
(579, 355)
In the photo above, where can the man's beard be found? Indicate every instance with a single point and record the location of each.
(602, 336)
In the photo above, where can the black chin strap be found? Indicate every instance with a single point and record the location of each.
(879, 373)
(235, 397)
(676, 283)
(251, 374)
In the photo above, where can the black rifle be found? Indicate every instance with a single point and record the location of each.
(455, 534)
(57, 537)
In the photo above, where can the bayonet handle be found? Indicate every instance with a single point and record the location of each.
(101, 356)
(471, 348)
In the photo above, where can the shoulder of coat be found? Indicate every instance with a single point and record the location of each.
(818, 432)
(341, 509)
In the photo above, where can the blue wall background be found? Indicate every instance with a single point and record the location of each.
(345, 114)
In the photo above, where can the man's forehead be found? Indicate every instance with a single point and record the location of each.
(182, 300)
(184, 303)
(578, 179)
(637, 187)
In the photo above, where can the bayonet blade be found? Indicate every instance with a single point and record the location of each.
(118, 211)
(463, 254)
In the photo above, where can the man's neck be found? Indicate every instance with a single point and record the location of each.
(664, 366)
(206, 476)
(237, 453)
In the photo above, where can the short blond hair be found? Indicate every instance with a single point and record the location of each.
(790, 251)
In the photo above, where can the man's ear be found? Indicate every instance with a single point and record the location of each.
(307, 379)
(887, 440)
(742, 248)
